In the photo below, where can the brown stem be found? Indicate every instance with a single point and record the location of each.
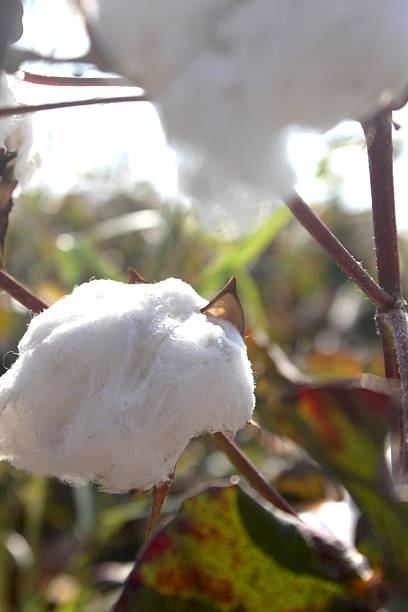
(21, 293)
(392, 325)
(322, 234)
(61, 81)
(32, 108)
(378, 133)
(247, 469)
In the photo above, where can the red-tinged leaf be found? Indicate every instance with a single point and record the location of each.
(225, 552)
(343, 427)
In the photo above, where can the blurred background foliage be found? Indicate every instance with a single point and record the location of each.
(70, 549)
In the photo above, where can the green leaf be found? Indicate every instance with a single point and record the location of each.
(238, 256)
(343, 427)
(225, 552)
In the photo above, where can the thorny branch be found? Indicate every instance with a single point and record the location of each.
(32, 108)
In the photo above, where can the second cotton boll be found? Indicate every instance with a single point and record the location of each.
(229, 78)
(113, 381)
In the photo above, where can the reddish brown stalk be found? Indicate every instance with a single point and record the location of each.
(322, 234)
(61, 81)
(247, 469)
(378, 133)
(32, 108)
(392, 325)
(21, 293)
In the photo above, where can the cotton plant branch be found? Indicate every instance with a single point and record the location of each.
(322, 234)
(392, 324)
(32, 108)
(64, 81)
(247, 469)
(378, 133)
(20, 293)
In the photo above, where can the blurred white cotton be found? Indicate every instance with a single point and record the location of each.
(230, 77)
(16, 134)
(113, 381)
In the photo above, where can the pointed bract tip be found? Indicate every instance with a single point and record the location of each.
(159, 494)
(134, 278)
(227, 306)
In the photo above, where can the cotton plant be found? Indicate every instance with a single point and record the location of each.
(113, 381)
(230, 80)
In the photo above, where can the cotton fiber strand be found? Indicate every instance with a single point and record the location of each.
(230, 77)
(114, 380)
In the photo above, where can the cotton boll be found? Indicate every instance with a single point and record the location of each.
(113, 381)
(230, 77)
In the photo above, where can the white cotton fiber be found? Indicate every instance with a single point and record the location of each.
(16, 134)
(230, 76)
(113, 381)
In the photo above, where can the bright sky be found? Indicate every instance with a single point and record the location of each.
(125, 142)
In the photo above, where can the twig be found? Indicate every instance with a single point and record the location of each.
(322, 234)
(247, 469)
(392, 326)
(380, 157)
(32, 108)
(21, 293)
(62, 81)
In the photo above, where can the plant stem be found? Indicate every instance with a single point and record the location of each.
(32, 108)
(21, 293)
(254, 477)
(62, 81)
(378, 133)
(392, 325)
(322, 234)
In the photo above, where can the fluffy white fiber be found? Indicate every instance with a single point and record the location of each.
(230, 76)
(114, 380)
(16, 134)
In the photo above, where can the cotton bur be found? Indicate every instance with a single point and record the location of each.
(114, 380)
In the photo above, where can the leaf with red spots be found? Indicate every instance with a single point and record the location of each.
(343, 427)
(225, 552)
